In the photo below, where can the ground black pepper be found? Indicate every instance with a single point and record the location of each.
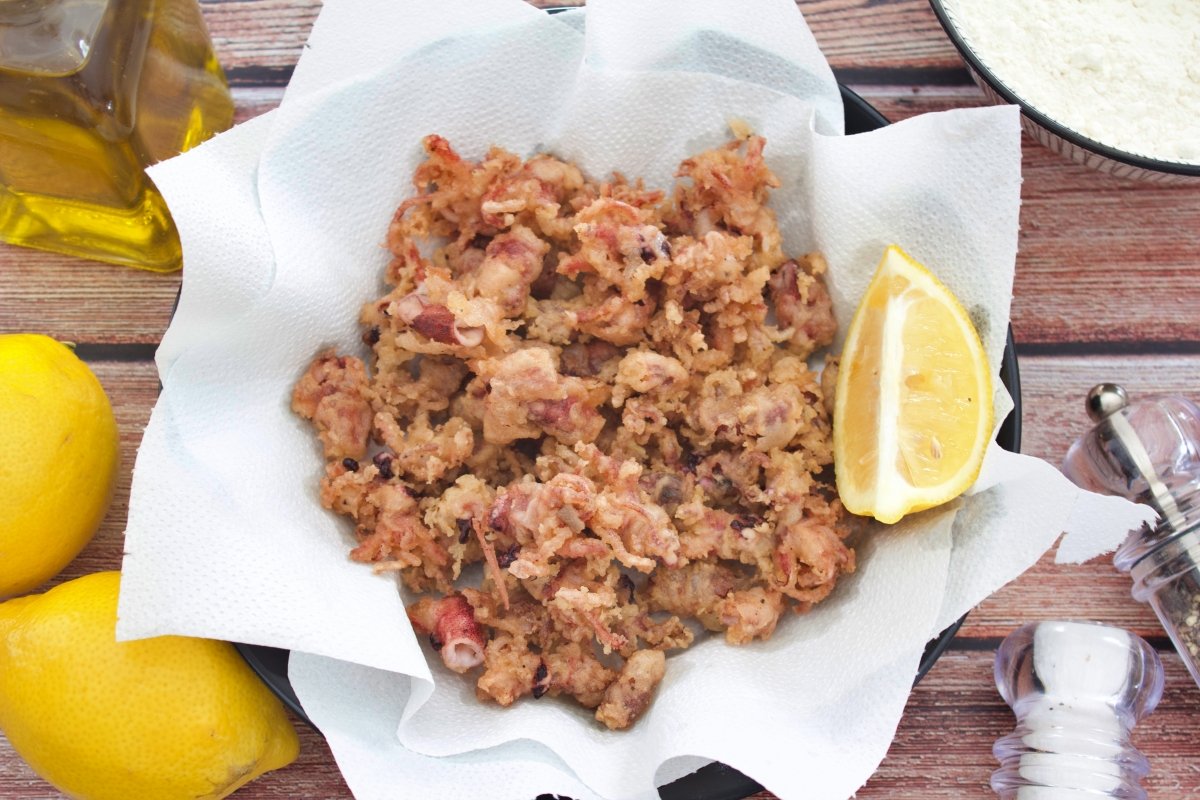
(1179, 602)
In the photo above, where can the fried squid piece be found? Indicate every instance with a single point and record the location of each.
(749, 614)
(728, 188)
(696, 590)
(452, 630)
(811, 553)
(510, 670)
(809, 559)
(436, 321)
(616, 243)
(732, 477)
(585, 613)
(424, 452)
(639, 532)
(765, 416)
(450, 192)
(346, 484)
(437, 381)
(528, 397)
(511, 263)
(334, 393)
(802, 304)
(540, 520)
(720, 597)
(713, 267)
(457, 515)
(614, 319)
(829, 381)
(574, 670)
(536, 195)
(712, 532)
(392, 535)
(594, 359)
(528, 655)
(630, 694)
(646, 372)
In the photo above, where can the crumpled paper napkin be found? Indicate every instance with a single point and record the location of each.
(282, 221)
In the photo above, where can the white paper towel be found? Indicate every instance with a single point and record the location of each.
(282, 222)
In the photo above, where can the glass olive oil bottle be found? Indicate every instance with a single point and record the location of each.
(92, 91)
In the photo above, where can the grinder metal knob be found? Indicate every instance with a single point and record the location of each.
(1104, 400)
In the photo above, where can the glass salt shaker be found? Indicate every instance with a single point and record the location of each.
(1077, 690)
(1149, 452)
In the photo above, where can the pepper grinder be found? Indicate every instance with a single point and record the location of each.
(1149, 452)
(1077, 689)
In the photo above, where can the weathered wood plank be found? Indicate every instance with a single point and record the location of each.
(82, 301)
(261, 40)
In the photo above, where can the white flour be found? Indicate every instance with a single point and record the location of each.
(1125, 73)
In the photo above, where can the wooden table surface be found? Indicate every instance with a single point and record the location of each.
(1107, 288)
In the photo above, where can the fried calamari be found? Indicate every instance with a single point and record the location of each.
(602, 396)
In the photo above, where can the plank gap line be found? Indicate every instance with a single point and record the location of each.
(121, 352)
(1110, 348)
(903, 76)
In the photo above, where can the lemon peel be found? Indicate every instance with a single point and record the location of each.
(59, 455)
(913, 410)
(168, 718)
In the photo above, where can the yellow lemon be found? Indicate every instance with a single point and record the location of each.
(58, 459)
(157, 719)
(913, 412)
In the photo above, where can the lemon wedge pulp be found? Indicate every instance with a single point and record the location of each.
(913, 412)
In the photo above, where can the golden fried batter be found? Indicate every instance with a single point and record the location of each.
(602, 397)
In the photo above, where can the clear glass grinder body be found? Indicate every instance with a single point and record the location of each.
(1149, 452)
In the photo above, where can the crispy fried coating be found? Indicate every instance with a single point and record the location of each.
(630, 694)
(602, 397)
(333, 394)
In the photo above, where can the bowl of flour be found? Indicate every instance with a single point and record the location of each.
(1112, 84)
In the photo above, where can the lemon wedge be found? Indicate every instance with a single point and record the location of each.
(913, 412)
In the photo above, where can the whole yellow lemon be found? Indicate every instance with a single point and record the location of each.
(167, 718)
(58, 459)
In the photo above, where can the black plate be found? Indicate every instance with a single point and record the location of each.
(715, 781)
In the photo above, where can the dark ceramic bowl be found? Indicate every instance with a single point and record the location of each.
(715, 781)
(1055, 135)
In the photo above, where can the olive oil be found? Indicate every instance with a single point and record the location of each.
(91, 92)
